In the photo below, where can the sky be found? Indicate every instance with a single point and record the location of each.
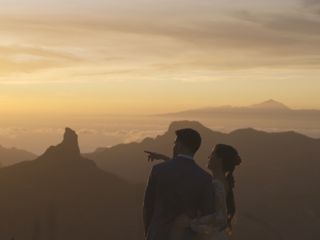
(144, 56)
(81, 64)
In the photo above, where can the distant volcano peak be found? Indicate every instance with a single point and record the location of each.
(271, 105)
(67, 149)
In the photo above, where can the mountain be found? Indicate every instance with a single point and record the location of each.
(10, 156)
(268, 108)
(269, 116)
(276, 191)
(62, 195)
(270, 105)
(129, 160)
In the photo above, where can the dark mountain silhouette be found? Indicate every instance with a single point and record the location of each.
(10, 156)
(62, 195)
(270, 115)
(270, 108)
(277, 192)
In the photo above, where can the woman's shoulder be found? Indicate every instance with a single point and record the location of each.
(219, 185)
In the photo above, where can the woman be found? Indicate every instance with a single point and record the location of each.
(222, 163)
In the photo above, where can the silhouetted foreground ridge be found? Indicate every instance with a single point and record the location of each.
(63, 196)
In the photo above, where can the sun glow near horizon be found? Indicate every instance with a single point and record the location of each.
(137, 57)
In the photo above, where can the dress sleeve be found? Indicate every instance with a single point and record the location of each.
(221, 204)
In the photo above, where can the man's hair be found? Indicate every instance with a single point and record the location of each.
(189, 138)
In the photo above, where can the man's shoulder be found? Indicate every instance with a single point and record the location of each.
(161, 166)
(172, 166)
(207, 176)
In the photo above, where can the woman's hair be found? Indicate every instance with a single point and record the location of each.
(230, 159)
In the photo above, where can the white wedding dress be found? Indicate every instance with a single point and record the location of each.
(205, 226)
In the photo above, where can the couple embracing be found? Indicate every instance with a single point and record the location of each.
(184, 202)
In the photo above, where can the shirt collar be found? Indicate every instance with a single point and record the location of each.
(185, 156)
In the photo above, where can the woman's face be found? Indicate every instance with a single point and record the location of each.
(212, 160)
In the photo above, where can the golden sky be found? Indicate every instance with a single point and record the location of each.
(146, 56)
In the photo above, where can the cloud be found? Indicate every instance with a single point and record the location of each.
(12, 132)
(125, 45)
(312, 5)
(132, 135)
(87, 131)
(27, 59)
(311, 2)
(138, 135)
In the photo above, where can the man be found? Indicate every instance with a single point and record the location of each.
(178, 187)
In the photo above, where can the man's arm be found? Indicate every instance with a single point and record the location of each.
(152, 156)
(208, 199)
(149, 199)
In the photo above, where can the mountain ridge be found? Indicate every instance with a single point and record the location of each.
(196, 124)
(13, 155)
(269, 106)
(71, 198)
(276, 194)
(66, 196)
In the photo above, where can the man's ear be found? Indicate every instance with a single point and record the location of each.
(178, 145)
